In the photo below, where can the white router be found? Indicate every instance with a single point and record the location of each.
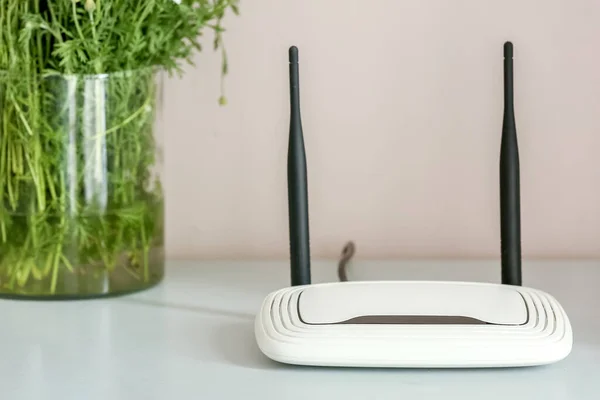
(411, 324)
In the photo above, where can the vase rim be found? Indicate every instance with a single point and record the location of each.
(100, 76)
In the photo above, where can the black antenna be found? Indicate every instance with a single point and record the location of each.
(510, 207)
(297, 184)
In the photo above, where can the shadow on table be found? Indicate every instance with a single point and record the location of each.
(235, 341)
(191, 308)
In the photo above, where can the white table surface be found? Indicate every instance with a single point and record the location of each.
(192, 338)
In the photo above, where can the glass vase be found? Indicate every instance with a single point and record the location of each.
(81, 207)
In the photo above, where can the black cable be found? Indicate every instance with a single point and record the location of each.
(346, 256)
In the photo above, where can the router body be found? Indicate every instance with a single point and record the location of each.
(412, 324)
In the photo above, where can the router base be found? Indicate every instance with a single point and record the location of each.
(413, 324)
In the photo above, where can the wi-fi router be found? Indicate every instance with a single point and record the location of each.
(411, 324)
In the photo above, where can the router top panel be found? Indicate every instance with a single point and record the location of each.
(444, 302)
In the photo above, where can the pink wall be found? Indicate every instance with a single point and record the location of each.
(402, 109)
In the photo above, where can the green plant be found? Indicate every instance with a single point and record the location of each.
(80, 204)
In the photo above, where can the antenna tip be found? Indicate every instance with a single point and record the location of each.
(293, 54)
(508, 50)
